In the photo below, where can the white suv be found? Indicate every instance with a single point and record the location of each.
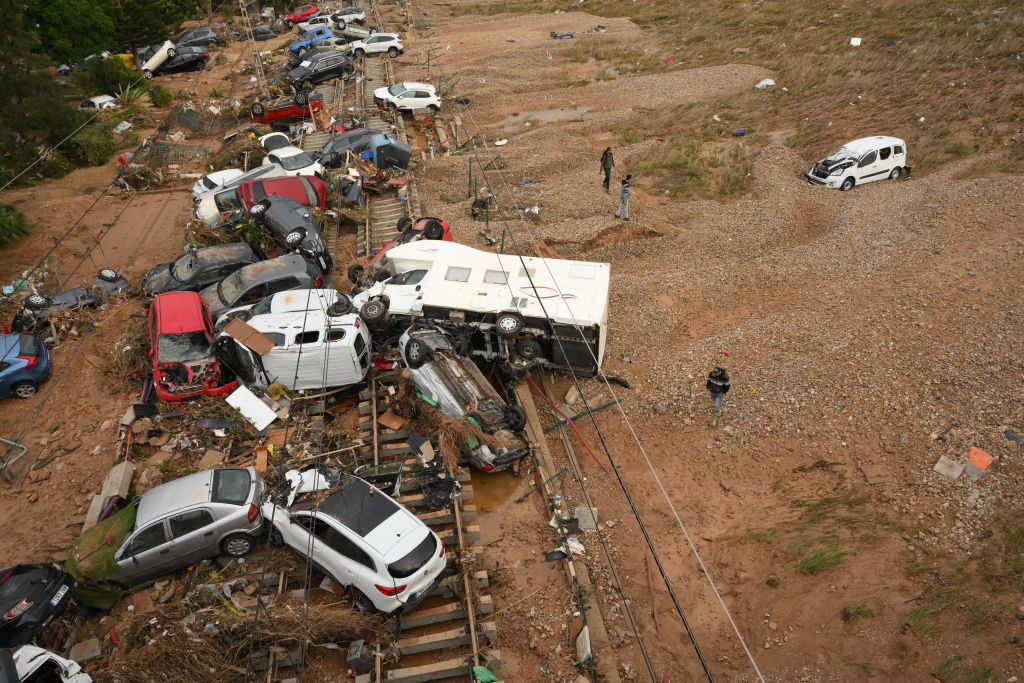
(155, 55)
(379, 43)
(360, 537)
(408, 96)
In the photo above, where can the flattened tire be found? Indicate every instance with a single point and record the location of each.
(301, 98)
(373, 312)
(257, 110)
(24, 389)
(508, 325)
(847, 185)
(528, 348)
(356, 272)
(238, 545)
(416, 354)
(343, 306)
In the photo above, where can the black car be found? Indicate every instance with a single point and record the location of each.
(319, 68)
(184, 59)
(261, 33)
(31, 596)
(200, 36)
(293, 227)
(332, 153)
(197, 269)
(34, 315)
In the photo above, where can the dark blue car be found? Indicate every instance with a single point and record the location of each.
(24, 365)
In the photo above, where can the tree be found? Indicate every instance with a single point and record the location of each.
(13, 224)
(69, 30)
(144, 22)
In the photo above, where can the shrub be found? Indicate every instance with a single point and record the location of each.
(160, 96)
(103, 76)
(13, 224)
(94, 145)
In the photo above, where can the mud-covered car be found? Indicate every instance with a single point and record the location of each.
(285, 110)
(257, 281)
(180, 334)
(37, 309)
(199, 268)
(294, 228)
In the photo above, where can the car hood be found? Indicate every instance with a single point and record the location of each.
(839, 160)
(158, 280)
(382, 93)
(91, 557)
(397, 536)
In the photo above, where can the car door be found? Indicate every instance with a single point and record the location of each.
(404, 290)
(351, 560)
(194, 534)
(374, 44)
(308, 533)
(147, 554)
(867, 167)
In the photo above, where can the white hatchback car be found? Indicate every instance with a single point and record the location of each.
(360, 537)
(379, 43)
(409, 95)
(861, 161)
(155, 55)
(99, 102)
(292, 159)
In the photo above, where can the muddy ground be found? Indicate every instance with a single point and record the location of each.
(867, 334)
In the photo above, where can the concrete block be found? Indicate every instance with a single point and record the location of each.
(119, 480)
(86, 650)
(99, 501)
(587, 518)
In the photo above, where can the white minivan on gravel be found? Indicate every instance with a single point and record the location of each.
(861, 161)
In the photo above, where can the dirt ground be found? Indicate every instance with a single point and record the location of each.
(866, 333)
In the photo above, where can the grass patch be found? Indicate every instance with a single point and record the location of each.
(921, 620)
(954, 670)
(858, 610)
(820, 559)
(867, 667)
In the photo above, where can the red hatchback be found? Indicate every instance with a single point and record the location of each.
(305, 189)
(180, 334)
(300, 13)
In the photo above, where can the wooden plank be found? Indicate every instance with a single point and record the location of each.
(450, 668)
(262, 454)
(418, 500)
(446, 516)
(471, 535)
(452, 611)
(444, 640)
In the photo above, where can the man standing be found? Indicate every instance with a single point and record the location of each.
(624, 199)
(718, 387)
(607, 162)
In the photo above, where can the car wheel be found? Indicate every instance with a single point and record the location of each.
(171, 52)
(340, 24)
(848, 184)
(257, 110)
(238, 545)
(36, 302)
(294, 238)
(392, 52)
(108, 275)
(275, 538)
(362, 603)
(528, 348)
(896, 173)
(416, 354)
(374, 311)
(258, 209)
(289, 23)
(360, 52)
(515, 418)
(301, 98)
(25, 389)
(356, 273)
(433, 231)
(343, 306)
(433, 109)
(508, 325)
(146, 73)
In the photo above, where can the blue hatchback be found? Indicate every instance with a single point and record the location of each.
(24, 365)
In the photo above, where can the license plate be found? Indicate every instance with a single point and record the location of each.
(60, 594)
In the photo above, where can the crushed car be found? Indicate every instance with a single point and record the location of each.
(153, 56)
(365, 272)
(294, 160)
(861, 161)
(249, 284)
(213, 181)
(210, 206)
(199, 268)
(320, 68)
(388, 559)
(38, 309)
(300, 13)
(31, 664)
(184, 59)
(180, 335)
(286, 110)
(31, 596)
(293, 227)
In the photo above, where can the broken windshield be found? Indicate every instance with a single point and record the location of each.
(227, 200)
(296, 161)
(185, 267)
(183, 347)
(231, 288)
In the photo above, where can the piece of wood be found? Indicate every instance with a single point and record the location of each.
(248, 336)
(452, 611)
(262, 454)
(390, 420)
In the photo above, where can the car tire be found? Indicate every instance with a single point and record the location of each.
(340, 24)
(433, 231)
(356, 272)
(108, 275)
(171, 52)
(343, 306)
(289, 23)
(37, 302)
(257, 110)
(528, 349)
(257, 210)
(360, 53)
(275, 538)
(24, 389)
(416, 354)
(847, 184)
(238, 545)
(147, 74)
(508, 325)
(433, 109)
(373, 312)
(392, 52)
(301, 98)
(360, 602)
(896, 173)
(515, 418)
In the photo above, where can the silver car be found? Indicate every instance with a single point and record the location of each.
(191, 519)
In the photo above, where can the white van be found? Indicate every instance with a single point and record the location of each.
(307, 339)
(210, 204)
(34, 664)
(861, 161)
(525, 311)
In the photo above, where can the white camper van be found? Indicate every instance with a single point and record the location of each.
(309, 339)
(526, 311)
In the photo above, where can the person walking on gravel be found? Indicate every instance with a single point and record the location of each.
(624, 198)
(718, 387)
(607, 162)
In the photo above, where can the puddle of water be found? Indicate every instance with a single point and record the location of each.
(493, 491)
(544, 116)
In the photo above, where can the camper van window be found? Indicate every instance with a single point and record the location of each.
(496, 277)
(335, 334)
(410, 277)
(583, 270)
(359, 344)
(528, 272)
(275, 337)
(457, 274)
(307, 337)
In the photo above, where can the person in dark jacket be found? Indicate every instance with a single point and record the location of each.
(624, 198)
(607, 162)
(718, 387)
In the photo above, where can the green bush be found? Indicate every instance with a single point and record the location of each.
(160, 96)
(94, 145)
(103, 77)
(13, 224)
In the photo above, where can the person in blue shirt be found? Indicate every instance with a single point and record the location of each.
(624, 198)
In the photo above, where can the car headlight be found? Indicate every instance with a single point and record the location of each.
(838, 171)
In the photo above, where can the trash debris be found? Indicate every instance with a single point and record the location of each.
(739, 132)
(122, 127)
(855, 42)
(948, 467)
(764, 84)
(587, 517)
(258, 413)
(978, 462)
(501, 143)
(972, 499)
(1010, 436)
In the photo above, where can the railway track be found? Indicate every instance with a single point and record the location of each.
(453, 625)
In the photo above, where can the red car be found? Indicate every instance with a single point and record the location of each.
(366, 271)
(180, 334)
(300, 13)
(286, 109)
(305, 189)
